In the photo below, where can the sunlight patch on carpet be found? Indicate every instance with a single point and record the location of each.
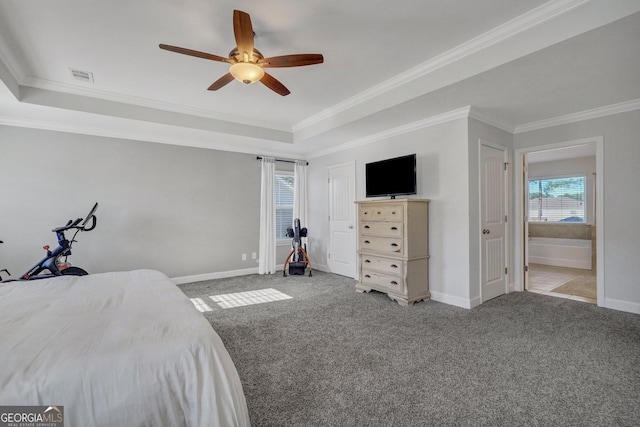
(240, 299)
(201, 305)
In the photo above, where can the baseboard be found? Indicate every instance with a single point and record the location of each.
(474, 302)
(321, 267)
(560, 262)
(616, 304)
(451, 300)
(211, 276)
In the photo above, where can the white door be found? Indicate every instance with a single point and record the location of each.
(342, 257)
(492, 221)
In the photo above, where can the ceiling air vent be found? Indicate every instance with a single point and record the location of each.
(83, 76)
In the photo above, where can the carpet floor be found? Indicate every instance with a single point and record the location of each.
(329, 356)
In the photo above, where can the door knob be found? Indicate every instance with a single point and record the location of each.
(485, 231)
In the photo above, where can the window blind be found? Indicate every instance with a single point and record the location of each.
(284, 203)
(557, 199)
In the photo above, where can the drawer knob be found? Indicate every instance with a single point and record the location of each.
(368, 261)
(366, 241)
(378, 212)
(367, 276)
(394, 283)
(367, 227)
(393, 266)
(394, 228)
(395, 245)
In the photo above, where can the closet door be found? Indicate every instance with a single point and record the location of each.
(492, 221)
(342, 256)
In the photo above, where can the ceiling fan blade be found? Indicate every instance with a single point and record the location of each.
(243, 30)
(273, 84)
(292, 60)
(222, 81)
(195, 53)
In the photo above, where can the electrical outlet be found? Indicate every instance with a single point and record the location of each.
(254, 255)
(244, 257)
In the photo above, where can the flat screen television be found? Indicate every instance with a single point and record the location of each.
(391, 177)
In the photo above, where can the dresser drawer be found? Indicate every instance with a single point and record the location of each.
(384, 245)
(381, 213)
(383, 281)
(393, 267)
(384, 229)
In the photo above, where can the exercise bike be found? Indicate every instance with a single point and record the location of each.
(55, 262)
(297, 260)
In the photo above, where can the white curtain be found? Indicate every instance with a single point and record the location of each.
(267, 259)
(300, 192)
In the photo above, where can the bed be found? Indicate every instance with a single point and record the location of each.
(125, 348)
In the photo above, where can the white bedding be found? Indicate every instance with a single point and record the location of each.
(115, 349)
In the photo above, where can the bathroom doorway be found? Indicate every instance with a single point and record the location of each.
(560, 193)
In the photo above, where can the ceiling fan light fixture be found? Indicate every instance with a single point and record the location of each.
(246, 72)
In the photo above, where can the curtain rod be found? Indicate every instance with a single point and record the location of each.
(282, 160)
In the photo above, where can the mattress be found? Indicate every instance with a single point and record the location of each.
(124, 348)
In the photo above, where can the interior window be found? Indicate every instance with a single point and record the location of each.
(284, 203)
(557, 199)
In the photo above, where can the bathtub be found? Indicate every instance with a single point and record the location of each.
(572, 253)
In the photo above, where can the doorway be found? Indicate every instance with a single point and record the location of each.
(559, 188)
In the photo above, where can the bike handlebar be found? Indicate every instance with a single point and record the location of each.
(74, 223)
(70, 224)
(93, 223)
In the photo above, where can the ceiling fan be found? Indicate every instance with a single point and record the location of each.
(247, 63)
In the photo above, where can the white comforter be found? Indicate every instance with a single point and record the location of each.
(115, 349)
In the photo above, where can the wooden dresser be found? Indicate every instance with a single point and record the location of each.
(393, 248)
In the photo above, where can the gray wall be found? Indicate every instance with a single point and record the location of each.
(621, 180)
(443, 177)
(184, 211)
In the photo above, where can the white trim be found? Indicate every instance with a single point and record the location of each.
(396, 131)
(201, 141)
(93, 93)
(599, 208)
(453, 300)
(211, 276)
(616, 304)
(171, 136)
(535, 17)
(484, 118)
(594, 113)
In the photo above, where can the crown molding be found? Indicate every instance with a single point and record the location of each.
(67, 88)
(498, 34)
(399, 130)
(594, 113)
(492, 121)
(155, 133)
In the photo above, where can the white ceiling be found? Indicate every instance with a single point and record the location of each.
(387, 65)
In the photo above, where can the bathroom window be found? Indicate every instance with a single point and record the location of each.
(559, 199)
